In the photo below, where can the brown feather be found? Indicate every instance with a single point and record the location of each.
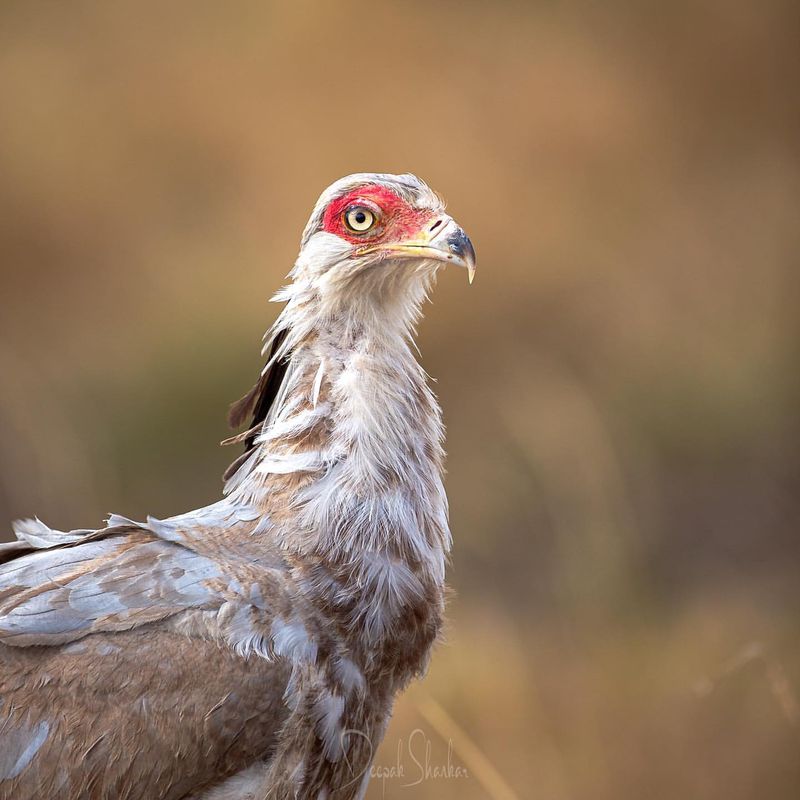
(259, 399)
(262, 395)
(117, 710)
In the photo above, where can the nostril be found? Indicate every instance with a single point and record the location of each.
(435, 225)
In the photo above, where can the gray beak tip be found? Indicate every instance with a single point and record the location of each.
(460, 246)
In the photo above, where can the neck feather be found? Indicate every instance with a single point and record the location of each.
(349, 460)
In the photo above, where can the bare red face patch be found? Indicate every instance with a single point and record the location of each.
(386, 216)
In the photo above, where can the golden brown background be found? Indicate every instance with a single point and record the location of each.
(620, 384)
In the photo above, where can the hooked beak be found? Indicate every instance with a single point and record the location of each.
(443, 240)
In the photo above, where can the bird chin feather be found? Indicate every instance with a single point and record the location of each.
(371, 286)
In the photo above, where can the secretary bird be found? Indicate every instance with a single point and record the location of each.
(254, 648)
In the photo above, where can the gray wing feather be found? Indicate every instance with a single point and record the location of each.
(37, 535)
(72, 584)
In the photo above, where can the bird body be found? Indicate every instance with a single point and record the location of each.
(254, 647)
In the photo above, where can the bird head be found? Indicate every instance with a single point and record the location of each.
(377, 238)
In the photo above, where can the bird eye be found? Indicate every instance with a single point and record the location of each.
(359, 219)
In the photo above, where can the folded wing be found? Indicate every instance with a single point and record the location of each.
(57, 587)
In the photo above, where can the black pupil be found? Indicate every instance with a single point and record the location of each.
(361, 217)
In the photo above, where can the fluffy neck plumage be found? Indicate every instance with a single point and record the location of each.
(349, 461)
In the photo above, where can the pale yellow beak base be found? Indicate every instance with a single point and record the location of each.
(447, 243)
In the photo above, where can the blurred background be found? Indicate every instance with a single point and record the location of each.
(620, 385)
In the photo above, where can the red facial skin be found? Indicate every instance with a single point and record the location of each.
(397, 220)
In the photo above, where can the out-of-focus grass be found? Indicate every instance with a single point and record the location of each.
(620, 384)
(682, 704)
